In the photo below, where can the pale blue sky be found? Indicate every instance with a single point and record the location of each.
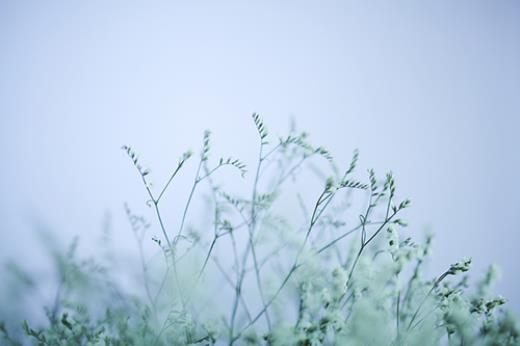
(428, 89)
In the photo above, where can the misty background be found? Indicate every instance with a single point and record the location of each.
(428, 90)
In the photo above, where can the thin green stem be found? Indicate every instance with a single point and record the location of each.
(435, 284)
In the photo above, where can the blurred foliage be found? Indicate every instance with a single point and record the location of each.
(336, 276)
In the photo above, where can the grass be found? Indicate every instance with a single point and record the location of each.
(337, 273)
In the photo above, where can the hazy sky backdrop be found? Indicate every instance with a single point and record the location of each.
(427, 89)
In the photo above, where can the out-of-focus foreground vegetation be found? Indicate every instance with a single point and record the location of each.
(340, 273)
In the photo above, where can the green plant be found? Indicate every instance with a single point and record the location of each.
(260, 274)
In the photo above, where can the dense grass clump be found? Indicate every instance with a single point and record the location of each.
(273, 267)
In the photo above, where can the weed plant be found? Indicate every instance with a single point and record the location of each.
(338, 273)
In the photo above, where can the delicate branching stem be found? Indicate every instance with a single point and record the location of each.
(411, 280)
(179, 166)
(364, 242)
(254, 214)
(426, 315)
(155, 203)
(250, 248)
(230, 282)
(289, 274)
(435, 284)
(206, 259)
(252, 232)
(344, 235)
(188, 202)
